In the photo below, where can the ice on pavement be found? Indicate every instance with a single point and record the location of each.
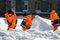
(41, 29)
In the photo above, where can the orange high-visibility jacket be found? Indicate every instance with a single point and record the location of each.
(12, 18)
(53, 15)
(28, 19)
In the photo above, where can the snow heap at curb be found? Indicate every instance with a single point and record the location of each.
(41, 29)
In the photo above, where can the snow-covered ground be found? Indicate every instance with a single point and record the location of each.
(41, 29)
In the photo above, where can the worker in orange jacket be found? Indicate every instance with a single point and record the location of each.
(11, 18)
(27, 22)
(54, 19)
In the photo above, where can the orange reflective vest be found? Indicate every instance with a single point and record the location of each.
(53, 15)
(11, 19)
(28, 20)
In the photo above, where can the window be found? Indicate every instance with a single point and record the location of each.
(2, 6)
(19, 5)
(37, 5)
(58, 7)
(44, 6)
(26, 5)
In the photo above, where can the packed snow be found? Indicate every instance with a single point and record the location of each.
(41, 29)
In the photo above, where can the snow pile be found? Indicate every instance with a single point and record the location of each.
(41, 24)
(40, 30)
(3, 24)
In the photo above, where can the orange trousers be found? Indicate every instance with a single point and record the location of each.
(55, 28)
(24, 29)
(11, 26)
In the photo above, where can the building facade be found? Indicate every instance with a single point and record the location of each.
(32, 6)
